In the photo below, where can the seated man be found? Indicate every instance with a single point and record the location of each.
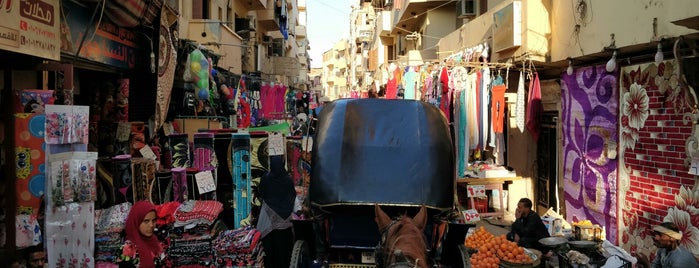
(35, 256)
(670, 254)
(528, 227)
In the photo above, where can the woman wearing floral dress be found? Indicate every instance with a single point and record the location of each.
(141, 248)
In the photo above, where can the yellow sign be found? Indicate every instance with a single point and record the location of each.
(31, 27)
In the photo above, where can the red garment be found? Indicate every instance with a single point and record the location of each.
(267, 99)
(147, 246)
(203, 209)
(498, 107)
(444, 104)
(243, 113)
(166, 213)
(391, 88)
(279, 98)
(534, 107)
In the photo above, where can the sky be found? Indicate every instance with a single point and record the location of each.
(327, 23)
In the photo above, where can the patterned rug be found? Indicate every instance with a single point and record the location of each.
(590, 107)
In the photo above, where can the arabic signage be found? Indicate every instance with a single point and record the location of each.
(30, 27)
(109, 44)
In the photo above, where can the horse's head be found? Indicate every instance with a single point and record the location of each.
(402, 240)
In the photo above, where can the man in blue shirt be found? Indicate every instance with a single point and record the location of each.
(670, 254)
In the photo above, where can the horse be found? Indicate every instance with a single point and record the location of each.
(402, 240)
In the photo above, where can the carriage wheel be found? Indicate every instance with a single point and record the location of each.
(465, 258)
(300, 255)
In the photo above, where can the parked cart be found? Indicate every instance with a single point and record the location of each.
(398, 154)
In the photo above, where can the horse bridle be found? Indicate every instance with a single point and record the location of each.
(382, 251)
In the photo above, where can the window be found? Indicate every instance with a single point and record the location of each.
(229, 15)
(201, 9)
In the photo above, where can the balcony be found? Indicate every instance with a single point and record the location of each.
(413, 13)
(255, 4)
(300, 31)
(510, 35)
(341, 63)
(365, 33)
(267, 19)
(385, 23)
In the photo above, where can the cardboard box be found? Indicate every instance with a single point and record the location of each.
(553, 225)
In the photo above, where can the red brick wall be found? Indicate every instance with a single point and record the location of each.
(653, 170)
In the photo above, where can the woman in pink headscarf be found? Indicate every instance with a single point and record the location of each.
(141, 248)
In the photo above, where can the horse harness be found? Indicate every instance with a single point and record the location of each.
(382, 251)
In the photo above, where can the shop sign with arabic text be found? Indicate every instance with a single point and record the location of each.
(30, 27)
(108, 44)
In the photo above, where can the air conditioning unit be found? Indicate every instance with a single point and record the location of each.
(252, 22)
(466, 8)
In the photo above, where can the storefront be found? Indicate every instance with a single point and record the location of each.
(140, 115)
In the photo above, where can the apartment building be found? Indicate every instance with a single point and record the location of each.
(257, 37)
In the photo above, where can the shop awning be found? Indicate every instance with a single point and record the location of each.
(133, 13)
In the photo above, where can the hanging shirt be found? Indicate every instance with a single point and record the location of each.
(498, 107)
(444, 94)
(534, 107)
(519, 105)
(391, 88)
(266, 97)
(409, 84)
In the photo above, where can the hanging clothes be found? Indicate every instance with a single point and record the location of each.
(391, 88)
(266, 97)
(458, 78)
(519, 105)
(444, 93)
(498, 114)
(534, 107)
(485, 107)
(478, 110)
(498, 107)
(472, 100)
(426, 87)
(409, 84)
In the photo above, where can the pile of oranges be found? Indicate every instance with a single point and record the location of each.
(478, 238)
(493, 249)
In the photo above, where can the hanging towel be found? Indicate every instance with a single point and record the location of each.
(534, 107)
(519, 105)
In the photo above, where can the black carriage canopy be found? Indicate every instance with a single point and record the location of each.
(392, 152)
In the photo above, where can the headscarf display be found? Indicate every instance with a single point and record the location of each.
(144, 244)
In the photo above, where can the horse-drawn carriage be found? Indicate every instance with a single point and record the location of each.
(382, 188)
